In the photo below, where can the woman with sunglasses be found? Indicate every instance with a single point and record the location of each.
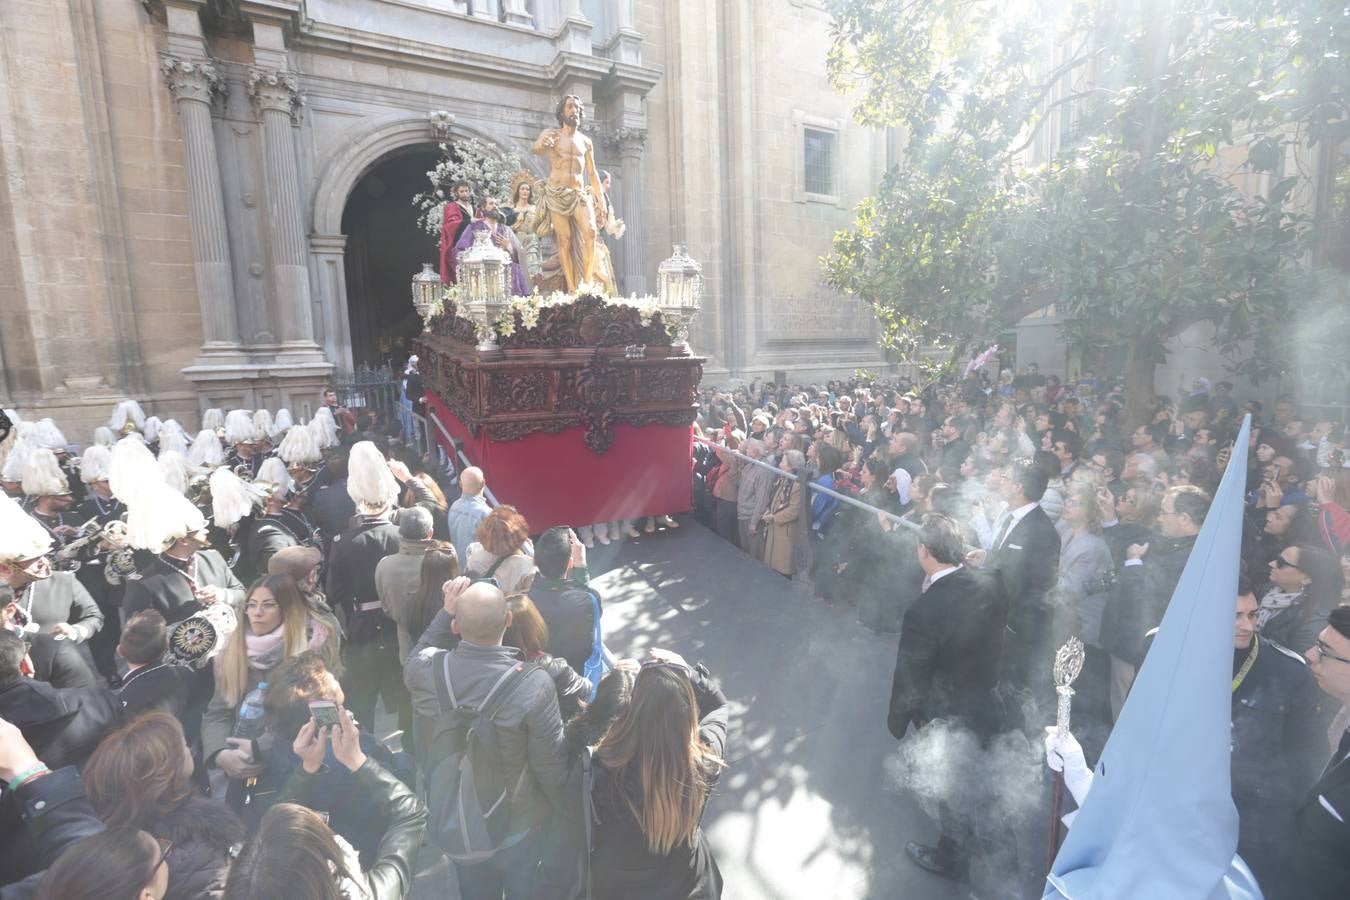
(121, 863)
(654, 769)
(1305, 584)
(140, 777)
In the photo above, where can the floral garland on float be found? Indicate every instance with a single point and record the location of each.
(558, 318)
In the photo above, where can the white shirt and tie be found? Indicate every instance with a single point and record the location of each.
(1008, 521)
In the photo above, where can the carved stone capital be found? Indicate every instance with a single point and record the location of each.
(191, 79)
(625, 141)
(276, 90)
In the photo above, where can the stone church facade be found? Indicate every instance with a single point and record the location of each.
(186, 181)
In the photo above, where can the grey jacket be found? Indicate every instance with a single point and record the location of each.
(528, 723)
(397, 579)
(754, 492)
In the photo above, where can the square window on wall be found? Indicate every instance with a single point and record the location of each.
(818, 153)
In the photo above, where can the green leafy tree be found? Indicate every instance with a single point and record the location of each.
(1082, 154)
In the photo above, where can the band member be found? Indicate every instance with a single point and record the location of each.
(185, 576)
(47, 601)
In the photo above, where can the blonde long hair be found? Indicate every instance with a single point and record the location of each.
(232, 664)
(657, 737)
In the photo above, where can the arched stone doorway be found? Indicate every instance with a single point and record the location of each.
(385, 248)
(346, 163)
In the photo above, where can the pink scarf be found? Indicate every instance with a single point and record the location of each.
(264, 650)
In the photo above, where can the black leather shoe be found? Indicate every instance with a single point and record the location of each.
(928, 858)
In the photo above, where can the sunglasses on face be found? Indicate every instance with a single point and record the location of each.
(165, 846)
(1282, 563)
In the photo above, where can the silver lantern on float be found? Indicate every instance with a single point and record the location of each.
(427, 294)
(679, 294)
(484, 278)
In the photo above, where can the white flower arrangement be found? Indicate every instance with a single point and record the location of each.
(487, 170)
(529, 307)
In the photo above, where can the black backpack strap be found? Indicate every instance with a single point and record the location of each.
(445, 694)
(492, 569)
(504, 687)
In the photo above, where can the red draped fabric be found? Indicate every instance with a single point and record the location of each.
(554, 479)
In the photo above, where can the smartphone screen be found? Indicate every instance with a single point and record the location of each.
(324, 712)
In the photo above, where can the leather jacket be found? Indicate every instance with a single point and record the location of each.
(391, 876)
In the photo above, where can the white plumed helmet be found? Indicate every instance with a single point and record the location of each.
(174, 467)
(158, 515)
(49, 437)
(21, 537)
(127, 416)
(231, 497)
(325, 428)
(42, 475)
(370, 484)
(132, 468)
(94, 463)
(239, 428)
(272, 475)
(206, 450)
(300, 447)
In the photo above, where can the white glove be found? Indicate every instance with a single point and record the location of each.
(1064, 754)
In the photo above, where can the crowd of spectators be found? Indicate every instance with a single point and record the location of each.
(197, 633)
(1077, 522)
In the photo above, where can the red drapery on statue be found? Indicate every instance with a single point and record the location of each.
(554, 479)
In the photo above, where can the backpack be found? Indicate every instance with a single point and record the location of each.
(468, 797)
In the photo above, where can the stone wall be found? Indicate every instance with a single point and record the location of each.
(96, 278)
(175, 173)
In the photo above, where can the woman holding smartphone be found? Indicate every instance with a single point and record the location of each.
(296, 855)
(276, 625)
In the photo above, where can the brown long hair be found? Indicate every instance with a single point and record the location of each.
(528, 631)
(116, 864)
(657, 736)
(438, 566)
(139, 772)
(232, 664)
(293, 854)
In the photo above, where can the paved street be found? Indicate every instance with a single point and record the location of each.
(802, 811)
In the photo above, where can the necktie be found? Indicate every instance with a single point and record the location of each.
(1003, 530)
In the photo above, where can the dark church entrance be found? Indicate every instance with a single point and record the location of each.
(385, 248)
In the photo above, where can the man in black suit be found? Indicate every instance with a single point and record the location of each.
(947, 667)
(1024, 562)
(1321, 842)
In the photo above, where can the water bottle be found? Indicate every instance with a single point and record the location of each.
(249, 724)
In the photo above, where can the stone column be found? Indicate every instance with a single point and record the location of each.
(276, 97)
(629, 142)
(329, 250)
(193, 83)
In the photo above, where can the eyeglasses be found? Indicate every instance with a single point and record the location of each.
(165, 845)
(1282, 563)
(260, 607)
(1324, 652)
